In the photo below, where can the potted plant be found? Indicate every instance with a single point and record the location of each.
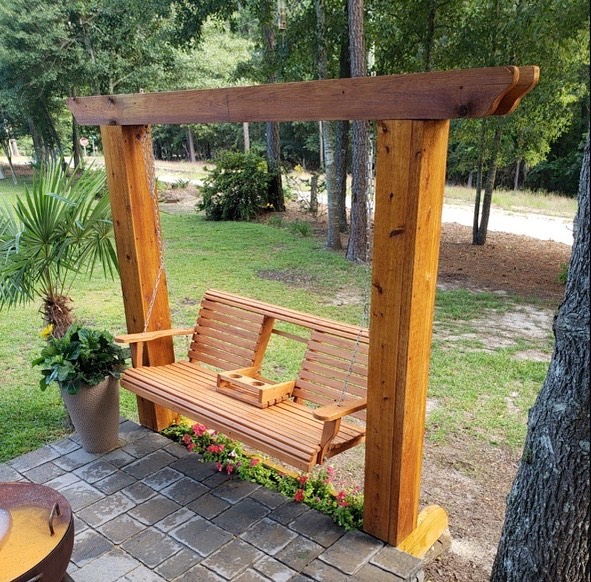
(86, 365)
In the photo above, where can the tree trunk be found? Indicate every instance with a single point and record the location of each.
(333, 236)
(357, 248)
(8, 152)
(429, 41)
(274, 165)
(489, 187)
(545, 535)
(341, 158)
(76, 143)
(37, 141)
(470, 178)
(516, 180)
(479, 172)
(273, 136)
(314, 194)
(246, 135)
(191, 144)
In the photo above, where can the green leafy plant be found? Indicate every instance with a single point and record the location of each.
(181, 184)
(236, 189)
(81, 357)
(300, 228)
(58, 229)
(315, 490)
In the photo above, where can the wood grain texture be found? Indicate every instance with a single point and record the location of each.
(528, 79)
(409, 198)
(434, 95)
(431, 523)
(127, 152)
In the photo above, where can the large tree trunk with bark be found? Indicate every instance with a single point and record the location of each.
(357, 248)
(545, 536)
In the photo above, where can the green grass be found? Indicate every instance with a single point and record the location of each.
(470, 387)
(520, 201)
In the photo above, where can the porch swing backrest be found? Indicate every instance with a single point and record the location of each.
(230, 333)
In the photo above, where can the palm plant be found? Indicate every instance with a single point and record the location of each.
(58, 229)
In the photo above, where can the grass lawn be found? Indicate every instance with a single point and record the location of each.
(274, 265)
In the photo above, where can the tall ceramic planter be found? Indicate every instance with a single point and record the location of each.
(95, 415)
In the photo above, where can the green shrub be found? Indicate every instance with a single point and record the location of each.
(236, 189)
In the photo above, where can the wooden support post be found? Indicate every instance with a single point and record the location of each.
(411, 158)
(129, 163)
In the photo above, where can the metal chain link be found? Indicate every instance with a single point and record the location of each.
(148, 154)
(368, 257)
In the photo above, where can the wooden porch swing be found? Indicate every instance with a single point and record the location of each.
(412, 114)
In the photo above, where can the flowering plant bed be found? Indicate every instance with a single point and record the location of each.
(315, 489)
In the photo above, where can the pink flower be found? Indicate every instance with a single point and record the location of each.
(299, 495)
(188, 442)
(330, 472)
(229, 468)
(254, 462)
(302, 480)
(199, 430)
(342, 499)
(216, 449)
(219, 466)
(190, 447)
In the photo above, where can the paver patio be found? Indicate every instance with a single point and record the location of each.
(150, 511)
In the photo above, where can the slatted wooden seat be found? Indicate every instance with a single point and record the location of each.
(301, 423)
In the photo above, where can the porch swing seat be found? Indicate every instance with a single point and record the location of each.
(299, 422)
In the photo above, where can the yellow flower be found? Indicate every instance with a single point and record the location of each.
(46, 331)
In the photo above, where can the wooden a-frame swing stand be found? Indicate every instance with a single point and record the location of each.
(412, 114)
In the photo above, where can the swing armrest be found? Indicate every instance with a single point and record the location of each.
(134, 338)
(335, 411)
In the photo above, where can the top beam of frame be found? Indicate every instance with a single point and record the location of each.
(465, 93)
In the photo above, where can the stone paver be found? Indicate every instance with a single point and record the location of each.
(238, 518)
(111, 567)
(149, 464)
(34, 459)
(352, 551)
(269, 536)
(299, 553)
(155, 509)
(89, 545)
(43, 473)
(80, 494)
(151, 512)
(208, 506)
(201, 536)
(184, 490)
(151, 547)
(121, 528)
(317, 527)
(178, 564)
(233, 559)
(274, 569)
(106, 509)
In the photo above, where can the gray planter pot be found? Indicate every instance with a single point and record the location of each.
(95, 415)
